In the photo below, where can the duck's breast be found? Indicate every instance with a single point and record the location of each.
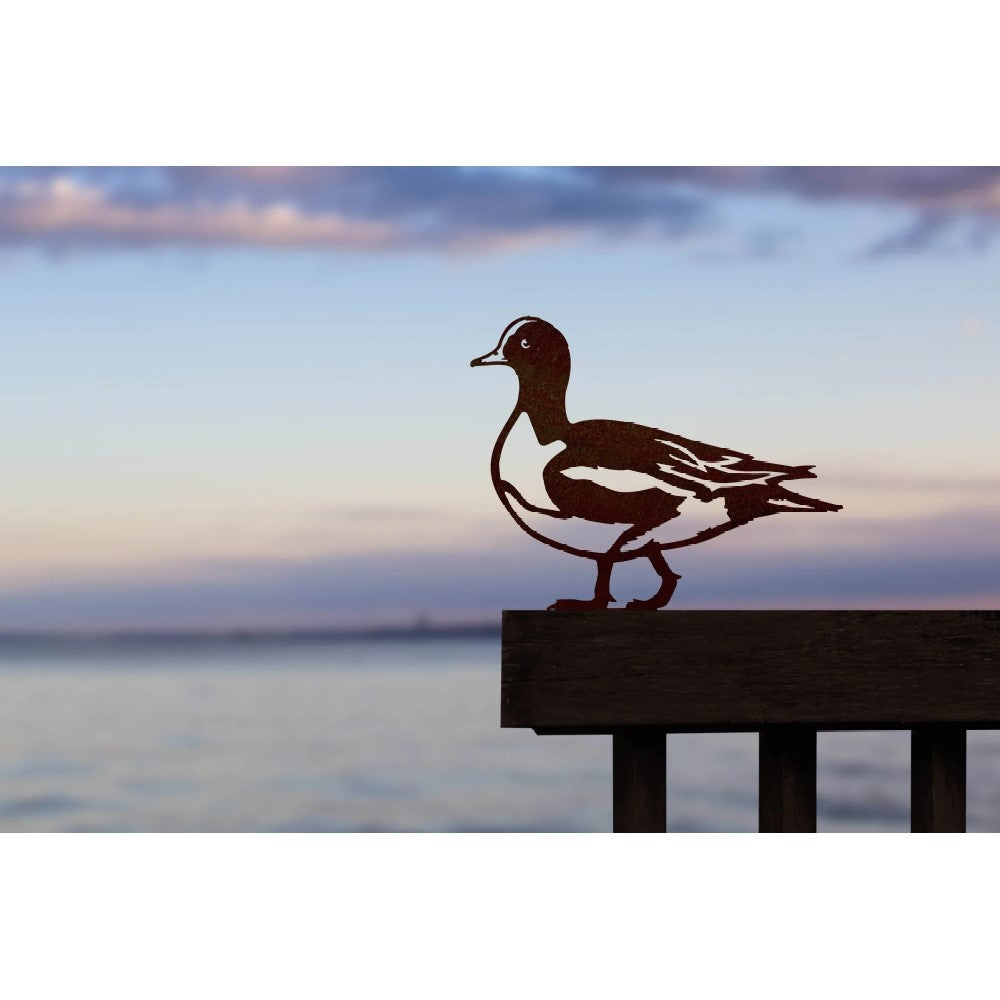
(522, 464)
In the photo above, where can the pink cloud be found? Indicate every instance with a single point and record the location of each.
(63, 210)
(465, 208)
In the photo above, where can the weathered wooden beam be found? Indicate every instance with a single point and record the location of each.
(787, 779)
(729, 671)
(639, 781)
(937, 779)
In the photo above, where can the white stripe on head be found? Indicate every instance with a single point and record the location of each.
(513, 329)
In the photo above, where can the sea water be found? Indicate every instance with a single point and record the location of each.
(367, 735)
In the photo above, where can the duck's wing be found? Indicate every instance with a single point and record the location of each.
(715, 469)
(682, 464)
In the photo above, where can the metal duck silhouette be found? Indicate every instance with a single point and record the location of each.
(644, 482)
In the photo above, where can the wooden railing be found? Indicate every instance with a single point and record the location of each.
(639, 675)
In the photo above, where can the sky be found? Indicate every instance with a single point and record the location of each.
(241, 397)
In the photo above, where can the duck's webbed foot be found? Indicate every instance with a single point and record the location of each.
(668, 584)
(572, 604)
(602, 593)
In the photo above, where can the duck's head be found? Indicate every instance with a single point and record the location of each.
(536, 350)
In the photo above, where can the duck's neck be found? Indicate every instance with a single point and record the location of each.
(546, 409)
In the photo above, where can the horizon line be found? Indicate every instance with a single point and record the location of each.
(240, 634)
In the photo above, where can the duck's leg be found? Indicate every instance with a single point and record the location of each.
(668, 584)
(602, 591)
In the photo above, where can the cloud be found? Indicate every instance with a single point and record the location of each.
(961, 202)
(61, 212)
(973, 189)
(464, 208)
(945, 560)
(376, 208)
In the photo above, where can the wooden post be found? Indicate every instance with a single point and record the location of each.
(787, 779)
(937, 779)
(639, 779)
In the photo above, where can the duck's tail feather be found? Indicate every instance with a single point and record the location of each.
(781, 499)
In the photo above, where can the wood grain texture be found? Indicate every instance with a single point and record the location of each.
(639, 781)
(937, 779)
(690, 671)
(787, 783)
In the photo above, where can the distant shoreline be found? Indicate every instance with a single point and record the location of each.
(472, 630)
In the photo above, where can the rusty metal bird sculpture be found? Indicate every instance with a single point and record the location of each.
(647, 489)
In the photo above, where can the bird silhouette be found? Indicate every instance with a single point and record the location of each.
(654, 490)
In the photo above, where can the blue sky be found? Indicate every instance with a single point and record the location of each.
(242, 396)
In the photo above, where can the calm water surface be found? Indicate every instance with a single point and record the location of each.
(367, 735)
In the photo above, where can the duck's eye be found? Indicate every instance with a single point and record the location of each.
(525, 344)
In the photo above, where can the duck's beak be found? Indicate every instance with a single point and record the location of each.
(493, 358)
